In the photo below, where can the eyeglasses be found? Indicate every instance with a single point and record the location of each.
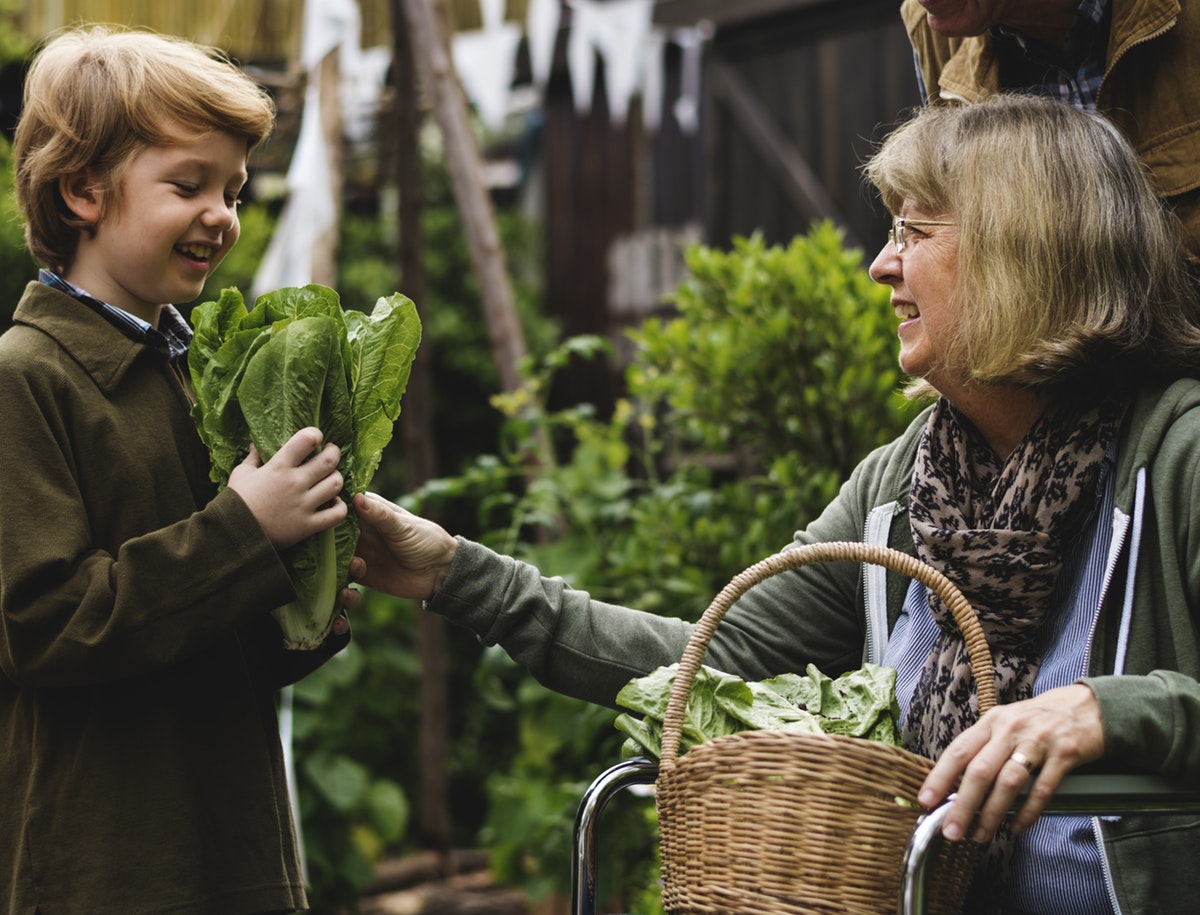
(900, 223)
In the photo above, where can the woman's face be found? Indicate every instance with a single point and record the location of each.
(922, 277)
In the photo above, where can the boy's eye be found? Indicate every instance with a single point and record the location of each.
(184, 187)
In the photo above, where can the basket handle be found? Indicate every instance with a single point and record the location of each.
(792, 558)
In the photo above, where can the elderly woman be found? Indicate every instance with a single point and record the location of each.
(1042, 303)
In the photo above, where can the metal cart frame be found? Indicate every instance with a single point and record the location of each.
(1094, 795)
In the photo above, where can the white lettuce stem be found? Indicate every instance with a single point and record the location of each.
(305, 621)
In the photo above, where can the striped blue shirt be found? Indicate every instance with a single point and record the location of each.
(1056, 866)
(170, 339)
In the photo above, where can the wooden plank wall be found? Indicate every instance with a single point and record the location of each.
(832, 83)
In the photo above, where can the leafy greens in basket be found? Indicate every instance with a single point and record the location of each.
(297, 359)
(859, 703)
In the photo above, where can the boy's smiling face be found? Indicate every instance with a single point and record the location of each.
(173, 219)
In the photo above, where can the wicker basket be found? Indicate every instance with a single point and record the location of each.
(770, 822)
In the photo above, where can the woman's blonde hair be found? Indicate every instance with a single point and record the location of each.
(95, 96)
(1070, 270)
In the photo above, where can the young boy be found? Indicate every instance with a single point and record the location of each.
(141, 769)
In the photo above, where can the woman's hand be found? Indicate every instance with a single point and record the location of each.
(293, 495)
(398, 552)
(1039, 739)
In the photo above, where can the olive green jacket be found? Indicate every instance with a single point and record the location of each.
(1150, 88)
(139, 754)
(819, 614)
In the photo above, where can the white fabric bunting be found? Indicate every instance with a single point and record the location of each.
(309, 210)
(491, 12)
(542, 20)
(618, 30)
(484, 60)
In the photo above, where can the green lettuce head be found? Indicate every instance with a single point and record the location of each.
(298, 359)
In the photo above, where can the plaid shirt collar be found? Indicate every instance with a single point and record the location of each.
(170, 339)
(1075, 73)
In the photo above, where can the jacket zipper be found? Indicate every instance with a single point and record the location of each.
(875, 531)
(1166, 27)
(1121, 526)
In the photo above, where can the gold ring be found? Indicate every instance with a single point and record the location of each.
(1022, 759)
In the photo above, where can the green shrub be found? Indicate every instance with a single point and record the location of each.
(776, 353)
(17, 267)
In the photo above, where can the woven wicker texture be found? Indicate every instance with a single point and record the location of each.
(782, 823)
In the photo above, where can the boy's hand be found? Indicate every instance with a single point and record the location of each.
(293, 495)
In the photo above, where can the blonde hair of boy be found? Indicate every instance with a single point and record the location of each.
(96, 96)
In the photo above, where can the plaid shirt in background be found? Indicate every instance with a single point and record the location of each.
(1073, 74)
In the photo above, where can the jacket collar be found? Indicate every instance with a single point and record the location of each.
(101, 349)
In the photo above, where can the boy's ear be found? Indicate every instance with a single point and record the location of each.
(79, 193)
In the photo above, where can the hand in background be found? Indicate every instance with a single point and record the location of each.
(293, 495)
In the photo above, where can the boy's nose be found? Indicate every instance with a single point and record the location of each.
(219, 216)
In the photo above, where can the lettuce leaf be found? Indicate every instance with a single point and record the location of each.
(859, 703)
(298, 359)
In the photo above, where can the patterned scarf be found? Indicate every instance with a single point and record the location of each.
(998, 530)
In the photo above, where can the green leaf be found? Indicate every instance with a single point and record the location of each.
(295, 379)
(340, 780)
(382, 348)
(388, 809)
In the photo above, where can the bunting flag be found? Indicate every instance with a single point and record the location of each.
(491, 12)
(485, 61)
(308, 210)
(542, 21)
(617, 30)
(687, 107)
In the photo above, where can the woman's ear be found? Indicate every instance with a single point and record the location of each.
(80, 194)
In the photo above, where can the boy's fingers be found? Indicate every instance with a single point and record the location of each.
(252, 459)
(301, 446)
